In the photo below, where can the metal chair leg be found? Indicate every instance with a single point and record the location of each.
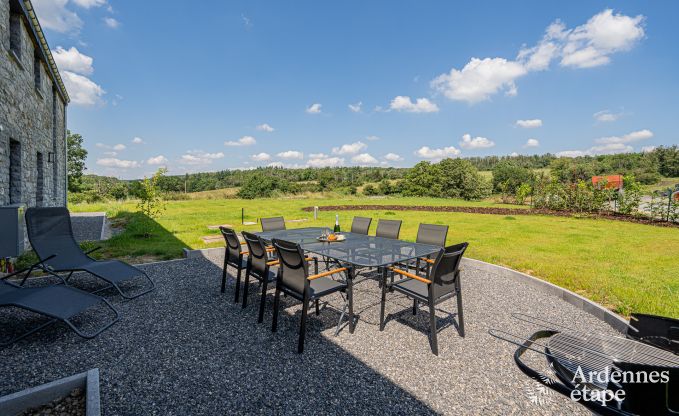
(276, 300)
(238, 285)
(432, 323)
(224, 275)
(414, 307)
(459, 313)
(302, 327)
(383, 301)
(246, 284)
(262, 302)
(318, 309)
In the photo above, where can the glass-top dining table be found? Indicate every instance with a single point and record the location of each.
(354, 251)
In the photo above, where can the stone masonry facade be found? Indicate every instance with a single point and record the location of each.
(32, 114)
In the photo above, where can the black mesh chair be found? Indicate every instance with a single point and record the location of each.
(51, 236)
(441, 284)
(295, 281)
(658, 331)
(58, 302)
(431, 234)
(233, 256)
(258, 266)
(361, 225)
(273, 224)
(388, 229)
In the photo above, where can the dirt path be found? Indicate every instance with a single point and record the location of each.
(494, 211)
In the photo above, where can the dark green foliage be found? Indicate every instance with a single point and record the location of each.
(530, 162)
(369, 190)
(643, 166)
(510, 175)
(76, 161)
(263, 186)
(450, 178)
(668, 160)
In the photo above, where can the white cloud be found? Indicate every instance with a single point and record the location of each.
(648, 149)
(118, 147)
(571, 153)
(82, 90)
(243, 141)
(87, 4)
(265, 127)
(198, 157)
(469, 142)
(117, 163)
(54, 15)
(111, 22)
(606, 116)
(137, 140)
(261, 157)
(323, 162)
(291, 154)
(608, 148)
(529, 124)
(634, 136)
(317, 156)
(73, 60)
(513, 154)
(592, 44)
(349, 149)
(480, 79)
(110, 153)
(364, 159)
(426, 152)
(393, 157)
(356, 108)
(314, 108)
(157, 160)
(421, 105)
(532, 143)
(585, 46)
(372, 138)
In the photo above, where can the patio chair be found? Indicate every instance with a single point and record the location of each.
(388, 229)
(51, 234)
(58, 302)
(295, 281)
(361, 225)
(258, 266)
(233, 256)
(658, 331)
(431, 234)
(273, 224)
(442, 284)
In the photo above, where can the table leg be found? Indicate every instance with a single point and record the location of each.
(350, 296)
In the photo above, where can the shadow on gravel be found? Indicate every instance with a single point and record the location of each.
(188, 349)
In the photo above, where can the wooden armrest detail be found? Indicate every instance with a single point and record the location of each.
(430, 261)
(272, 263)
(410, 275)
(328, 273)
(245, 253)
(242, 243)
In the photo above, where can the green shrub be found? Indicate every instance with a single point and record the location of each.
(369, 190)
(508, 176)
(450, 178)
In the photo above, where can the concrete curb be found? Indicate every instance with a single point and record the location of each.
(584, 304)
(32, 397)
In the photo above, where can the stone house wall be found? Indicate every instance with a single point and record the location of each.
(32, 119)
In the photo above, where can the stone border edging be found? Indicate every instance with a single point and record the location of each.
(40, 395)
(584, 304)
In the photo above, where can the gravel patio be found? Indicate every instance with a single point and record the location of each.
(188, 349)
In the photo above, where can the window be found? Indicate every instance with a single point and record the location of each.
(14, 172)
(15, 33)
(40, 182)
(36, 71)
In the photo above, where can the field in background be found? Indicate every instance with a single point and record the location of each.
(624, 266)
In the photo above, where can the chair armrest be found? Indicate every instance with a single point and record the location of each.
(327, 273)
(93, 250)
(430, 261)
(410, 275)
(272, 263)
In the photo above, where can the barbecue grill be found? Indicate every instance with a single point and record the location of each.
(610, 375)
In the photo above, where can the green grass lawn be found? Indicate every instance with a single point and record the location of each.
(623, 266)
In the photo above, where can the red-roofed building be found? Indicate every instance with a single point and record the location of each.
(611, 181)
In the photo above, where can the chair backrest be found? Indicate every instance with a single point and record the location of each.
(388, 228)
(361, 225)
(273, 224)
(446, 270)
(50, 233)
(293, 270)
(233, 246)
(432, 234)
(257, 256)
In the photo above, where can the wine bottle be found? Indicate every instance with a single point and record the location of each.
(337, 226)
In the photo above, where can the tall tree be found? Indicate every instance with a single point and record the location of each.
(76, 161)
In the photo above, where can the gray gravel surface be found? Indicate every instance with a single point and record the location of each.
(188, 349)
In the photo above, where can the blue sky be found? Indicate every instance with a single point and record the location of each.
(212, 85)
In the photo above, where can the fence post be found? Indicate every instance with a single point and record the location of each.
(315, 213)
(242, 216)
